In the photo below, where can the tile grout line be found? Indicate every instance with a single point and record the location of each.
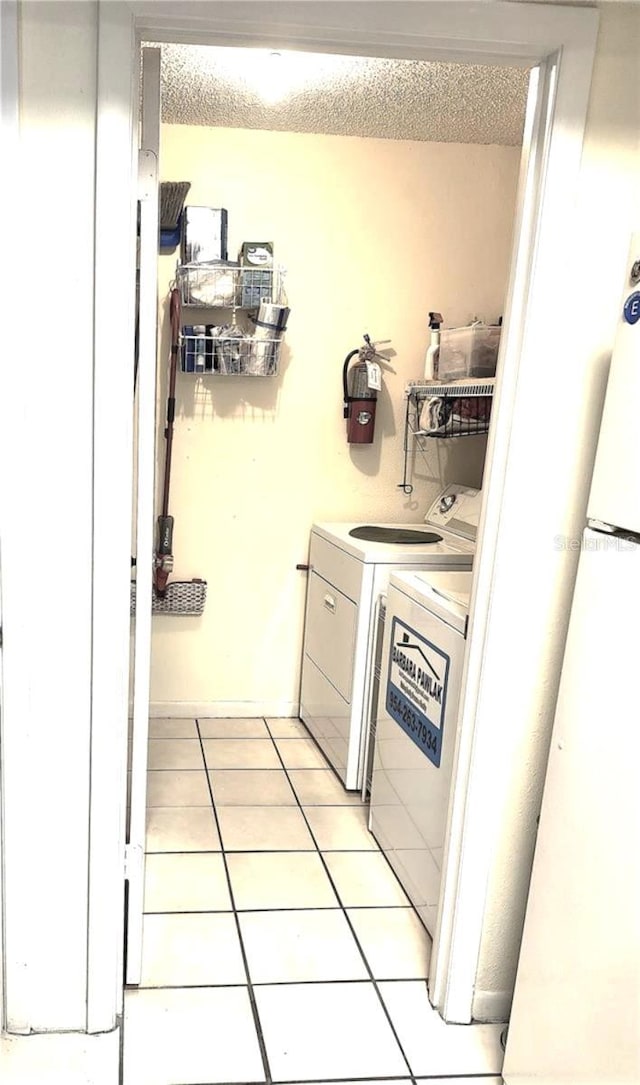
(252, 1000)
(261, 983)
(377, 850)
(330, 768)
(311, 738)
(246, 768)
(333, 886)
(408, 1079)
(346, 916)
(270, 851)
(404, 1078)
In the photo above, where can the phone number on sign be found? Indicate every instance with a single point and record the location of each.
(403, 711)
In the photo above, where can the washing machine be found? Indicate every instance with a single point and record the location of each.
(416, 728)
(350, 565)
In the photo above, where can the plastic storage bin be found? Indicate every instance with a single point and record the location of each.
(468, 352)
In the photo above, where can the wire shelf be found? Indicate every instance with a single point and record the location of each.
(443, 411)
(230, 356)
(440, 417)
(458, 409)
(469, 388)
(227, 286)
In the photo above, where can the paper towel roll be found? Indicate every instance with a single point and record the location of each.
(271, 320)
(269, 325)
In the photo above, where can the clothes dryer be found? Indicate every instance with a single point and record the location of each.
(416, 728)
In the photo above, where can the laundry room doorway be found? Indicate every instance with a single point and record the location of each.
(440, 197)
(535, 220)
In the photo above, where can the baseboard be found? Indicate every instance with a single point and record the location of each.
(222, 709)
(491, 1006)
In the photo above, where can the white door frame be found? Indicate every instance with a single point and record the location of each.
(116, 161)
(562, 41)
(9, 134)
(145, 493)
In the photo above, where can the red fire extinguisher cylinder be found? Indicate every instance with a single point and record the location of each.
(361, 421)
(360, 406)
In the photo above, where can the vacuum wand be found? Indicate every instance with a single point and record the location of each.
(163, 564)
(163, 559)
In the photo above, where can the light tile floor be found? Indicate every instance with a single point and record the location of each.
(278, 944)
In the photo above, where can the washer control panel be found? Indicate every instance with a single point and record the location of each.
(457, 509)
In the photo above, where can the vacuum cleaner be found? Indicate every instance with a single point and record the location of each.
(180, 597)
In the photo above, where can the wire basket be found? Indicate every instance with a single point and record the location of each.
(226, 286)
(449, 409)
(230, 355)
(448, 416)
(183, 598)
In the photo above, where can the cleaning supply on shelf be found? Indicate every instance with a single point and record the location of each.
(256, 277)
(188, 343)
(256, 254)
(433, 350)
(230, 349)
(200, 348)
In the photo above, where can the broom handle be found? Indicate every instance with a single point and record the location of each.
(174, 311)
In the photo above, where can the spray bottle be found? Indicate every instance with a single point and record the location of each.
(433, 350)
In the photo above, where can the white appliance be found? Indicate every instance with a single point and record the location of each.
(576, 1008)
(347, 576)
(422, 660)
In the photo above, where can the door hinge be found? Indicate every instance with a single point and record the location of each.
(133, 861)
(147, 174)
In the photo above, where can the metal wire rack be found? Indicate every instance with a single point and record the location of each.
(442, 411)
(227, 355)
(227, 286)
(449, 410)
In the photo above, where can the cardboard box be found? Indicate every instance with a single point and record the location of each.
(255, 285)
(258, 254)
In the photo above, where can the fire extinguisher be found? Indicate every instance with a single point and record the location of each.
(359, 395)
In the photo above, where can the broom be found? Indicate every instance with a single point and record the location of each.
(172, 197)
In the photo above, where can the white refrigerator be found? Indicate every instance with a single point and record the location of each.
(576, 1008)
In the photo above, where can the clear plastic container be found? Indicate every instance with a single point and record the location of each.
(468, 352)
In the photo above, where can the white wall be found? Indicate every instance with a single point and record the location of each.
(607, 206)
(47, 527)
(373, 234)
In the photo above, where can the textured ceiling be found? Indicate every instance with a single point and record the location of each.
(338, 95)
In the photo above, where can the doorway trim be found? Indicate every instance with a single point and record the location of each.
(114, 322)
(561, 41)
(9, 136)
